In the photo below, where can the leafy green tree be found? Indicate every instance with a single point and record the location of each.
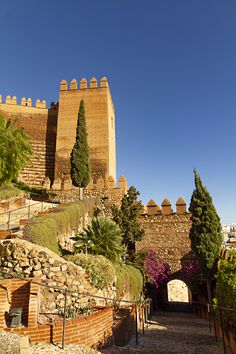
(15, 150)
(127, 218)
(205, 233)
(102, 237)
(79, 159)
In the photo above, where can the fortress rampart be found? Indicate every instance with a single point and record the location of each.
(167, 232)
(40, 124)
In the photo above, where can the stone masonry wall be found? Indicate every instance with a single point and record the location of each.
(169, 236)
(100, 122)
(30, 260)
(40, 124)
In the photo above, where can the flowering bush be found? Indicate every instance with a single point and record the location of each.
(157, 271)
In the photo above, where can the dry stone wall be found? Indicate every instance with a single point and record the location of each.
(30, 260)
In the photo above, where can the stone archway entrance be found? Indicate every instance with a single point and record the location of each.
(177, 291)
(179, 296)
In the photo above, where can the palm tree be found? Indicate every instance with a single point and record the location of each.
(103, 236)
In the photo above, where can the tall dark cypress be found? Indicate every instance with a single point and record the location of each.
(79, 159)
(205, 233)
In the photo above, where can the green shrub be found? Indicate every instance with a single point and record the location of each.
(44, 230)
(8, 191)
(99, 269)
(128, 280)
(101, 237)
(25, 187)
(226, 290)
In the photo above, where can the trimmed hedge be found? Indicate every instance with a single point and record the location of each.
(44, 230)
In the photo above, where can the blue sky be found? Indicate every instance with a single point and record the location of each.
(171, 67)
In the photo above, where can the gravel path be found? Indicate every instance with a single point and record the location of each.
(69, 349)
(169, 333)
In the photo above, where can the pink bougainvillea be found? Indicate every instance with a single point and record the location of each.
(157, 271)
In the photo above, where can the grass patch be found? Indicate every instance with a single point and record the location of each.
(9, 191)
(44, 230)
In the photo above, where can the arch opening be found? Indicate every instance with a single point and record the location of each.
(178, 291)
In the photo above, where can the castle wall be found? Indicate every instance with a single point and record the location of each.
(168, 234)
(40, 124)
(101, 134)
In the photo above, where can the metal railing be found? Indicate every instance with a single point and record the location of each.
(142, 308)
(12, 217)
(215, 315)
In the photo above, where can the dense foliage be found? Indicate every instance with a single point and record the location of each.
(226, 289)
(79, 159)
(15, 151)
(128, 280)
(104, 274)
(9, 191)
(44, 230)
(156, 270)
(127, 218)
(99, 269)
(102, 237)
(205, 233)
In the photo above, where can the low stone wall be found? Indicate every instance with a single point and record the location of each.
(29, 260)
(105, 197)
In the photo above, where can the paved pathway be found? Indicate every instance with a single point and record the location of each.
(169, 333)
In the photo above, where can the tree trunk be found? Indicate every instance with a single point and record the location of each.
(209, 295)
(81, 193)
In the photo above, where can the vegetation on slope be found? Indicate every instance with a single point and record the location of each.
(8, 191)
(44, 230)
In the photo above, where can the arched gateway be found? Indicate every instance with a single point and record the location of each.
(167, 233)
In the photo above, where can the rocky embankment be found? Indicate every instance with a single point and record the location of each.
(28, 260)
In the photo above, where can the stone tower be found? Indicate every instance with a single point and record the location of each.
(100, 121)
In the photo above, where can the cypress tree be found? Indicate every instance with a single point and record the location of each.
(79, 159)
(205, 233)
(127, 219)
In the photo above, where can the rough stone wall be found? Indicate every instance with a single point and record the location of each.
(100, 121)
(168, 235)
(40, 124)
(30, 260)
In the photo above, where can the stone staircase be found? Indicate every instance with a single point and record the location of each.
(42, 164)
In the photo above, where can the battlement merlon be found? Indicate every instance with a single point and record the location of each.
(12, 101)
(83, 85)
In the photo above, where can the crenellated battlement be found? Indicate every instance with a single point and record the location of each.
(166, 208)
(12, 100)
(83, 84)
